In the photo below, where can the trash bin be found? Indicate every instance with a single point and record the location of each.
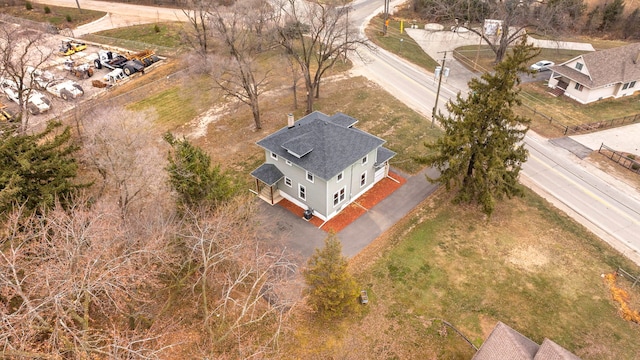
(308, 214)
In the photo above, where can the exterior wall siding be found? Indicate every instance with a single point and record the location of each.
(319, 194)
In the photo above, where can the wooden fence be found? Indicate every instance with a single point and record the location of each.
(584, 128)
(604, 124)
(627, 161)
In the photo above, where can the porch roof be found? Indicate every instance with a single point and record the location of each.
(383, 155)
(268, 174)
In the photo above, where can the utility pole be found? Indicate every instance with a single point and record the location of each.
(435, 106)
(385, 25)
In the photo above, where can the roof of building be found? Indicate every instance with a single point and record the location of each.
(611, 66)
(549, 350)
(268, 174)
(323, 145)
(506, 343)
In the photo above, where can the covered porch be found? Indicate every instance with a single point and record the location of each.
(267, 177)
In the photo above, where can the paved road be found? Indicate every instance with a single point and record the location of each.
(585, 194)
(118, 14)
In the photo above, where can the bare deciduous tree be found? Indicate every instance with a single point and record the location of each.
(238, 282)
(123, 151)
(74, 282)
(315, 34)
(242, 33)
(516, 18)
(20, 49)
(196, 11)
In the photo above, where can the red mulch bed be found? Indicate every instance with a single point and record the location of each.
(348, 215)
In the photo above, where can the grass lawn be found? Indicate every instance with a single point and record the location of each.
(399, 44)
(58, 16)
(167, 35)
(528, 266)
(569, 112)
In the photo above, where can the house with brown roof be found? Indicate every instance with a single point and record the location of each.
(320, 163)
(611, 73)
(506, 343)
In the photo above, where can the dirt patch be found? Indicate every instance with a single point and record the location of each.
(529, 258)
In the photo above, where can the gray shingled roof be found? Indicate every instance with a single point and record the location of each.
(383, 155)
(549, 350)
(506, 343)
(609, 66)
(334, 145)
(268, 174)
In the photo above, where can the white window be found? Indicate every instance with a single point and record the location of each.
(625, 86)
(364, 160)
(274, 156)
(302, 192)
(339, 196)
(287, 181)
(340, 177)
(628, 85)
(287, 162)
(363, 179)
(578, 87)
(579, 66)
(309, 176)
(632, 84)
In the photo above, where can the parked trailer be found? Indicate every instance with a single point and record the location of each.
(146, 57)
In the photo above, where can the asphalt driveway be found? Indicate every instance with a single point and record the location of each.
(280, 226)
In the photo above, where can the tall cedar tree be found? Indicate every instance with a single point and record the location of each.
(481, 152)
(331, 289)
(193, 178)
(37, 170)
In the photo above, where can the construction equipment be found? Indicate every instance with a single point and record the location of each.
(5, 114)
(146, 57)
(65, 89)
(112, 60)
(34, 101)
(70, 47)
(81, 71)
(114, 77)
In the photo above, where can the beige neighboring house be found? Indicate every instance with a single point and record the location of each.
(505, 343)
(611, 73)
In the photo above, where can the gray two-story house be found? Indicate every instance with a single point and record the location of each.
(321, 163)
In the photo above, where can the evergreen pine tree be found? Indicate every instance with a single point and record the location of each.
(193, 178)
(481, 152)
(331, 289)
(37, 170)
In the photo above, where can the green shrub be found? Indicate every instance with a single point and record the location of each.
(156, 28)
(68, 17)
(28, 5)
(631, 156)
(47, 10)
(635, 166)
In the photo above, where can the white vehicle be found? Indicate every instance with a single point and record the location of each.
(115, 77)
(34, 101)
(65, 89)
(542, 65)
